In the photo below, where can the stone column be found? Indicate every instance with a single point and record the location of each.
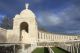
(73, 49)
(22, 49)
(14, 49)
(77, 48)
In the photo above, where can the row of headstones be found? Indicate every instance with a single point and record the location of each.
(72, 48)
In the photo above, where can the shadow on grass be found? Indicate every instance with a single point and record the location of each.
(46, 50)
(41, 50)
(59, 50)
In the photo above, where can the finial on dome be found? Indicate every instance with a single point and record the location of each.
(27, 5)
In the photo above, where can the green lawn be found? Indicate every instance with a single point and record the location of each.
(45, 50)
(58, 50)
(40, 50)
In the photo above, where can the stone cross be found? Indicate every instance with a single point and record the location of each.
(27, 5)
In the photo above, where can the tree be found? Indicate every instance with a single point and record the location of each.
(6, 23)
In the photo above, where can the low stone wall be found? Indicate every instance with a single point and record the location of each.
(50, 50)
(11, 37)
(3, 37)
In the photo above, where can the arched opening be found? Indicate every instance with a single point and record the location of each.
(23, 26)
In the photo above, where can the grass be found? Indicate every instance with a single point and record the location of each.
(38, 50)
(45, 50)
(58, 50)
(41, 50)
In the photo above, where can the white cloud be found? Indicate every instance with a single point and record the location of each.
(65, 17)
(53, 20)
(70, 11)
(2, 15)
(70, 14)
(49, 18)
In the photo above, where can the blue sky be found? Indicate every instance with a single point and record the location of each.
(53, 15)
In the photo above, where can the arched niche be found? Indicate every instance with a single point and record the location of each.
(23, 26)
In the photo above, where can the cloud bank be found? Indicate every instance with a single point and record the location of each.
(67, 20)
(49, 19)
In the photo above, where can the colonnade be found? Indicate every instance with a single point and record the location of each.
(69, 43)
(51, 37)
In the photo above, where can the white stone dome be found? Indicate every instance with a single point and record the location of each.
(27, 13)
